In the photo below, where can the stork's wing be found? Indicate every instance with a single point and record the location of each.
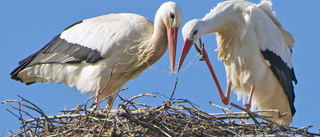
(275, 44)
(91, 40)
(284, 74)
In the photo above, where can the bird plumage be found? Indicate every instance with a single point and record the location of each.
(256, 51)
(86, 53)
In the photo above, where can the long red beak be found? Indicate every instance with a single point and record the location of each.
(172, 41)
(186, 48)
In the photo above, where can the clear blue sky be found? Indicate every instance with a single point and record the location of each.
(26, 26)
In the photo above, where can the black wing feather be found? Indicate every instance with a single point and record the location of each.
(284, 74)
(58, 51)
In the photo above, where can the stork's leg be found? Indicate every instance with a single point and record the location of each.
(248, 104)
(111, 100)
(224, 98)
(96, 100)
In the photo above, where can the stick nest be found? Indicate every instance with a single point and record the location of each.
(172, 118)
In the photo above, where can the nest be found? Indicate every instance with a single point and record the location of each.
(172, 118)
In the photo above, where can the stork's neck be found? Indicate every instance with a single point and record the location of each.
(210, 25)
(159, 39)
(159, 31)
(228, 34)
(154, 47)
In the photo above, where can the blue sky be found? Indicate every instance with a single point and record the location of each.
(26, 26)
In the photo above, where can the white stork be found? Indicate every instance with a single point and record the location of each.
(256, 52)
(85, 54)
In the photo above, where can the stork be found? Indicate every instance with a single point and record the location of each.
(85, 54)
(256, 52)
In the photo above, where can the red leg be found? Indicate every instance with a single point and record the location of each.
(224, 98)
(96, 100)
(248, 104)
(110, 101)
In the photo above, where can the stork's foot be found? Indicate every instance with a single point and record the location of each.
(201, 50)
(247, 106)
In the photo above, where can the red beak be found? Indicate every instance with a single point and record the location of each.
(186, 47)
(172, 41)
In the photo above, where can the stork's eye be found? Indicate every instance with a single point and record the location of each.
(171, 15)
(195, 32)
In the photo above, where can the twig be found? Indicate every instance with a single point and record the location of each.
(6, 102)
(187, 101)
(255, 115)
(161, 95)
(141, 95)
(49, 124)
(223, 108)
(174, 89)
(20, 118)
(15, 101)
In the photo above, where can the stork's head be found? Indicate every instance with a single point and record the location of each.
(228, 16)
(171, 16)
(191, 33)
